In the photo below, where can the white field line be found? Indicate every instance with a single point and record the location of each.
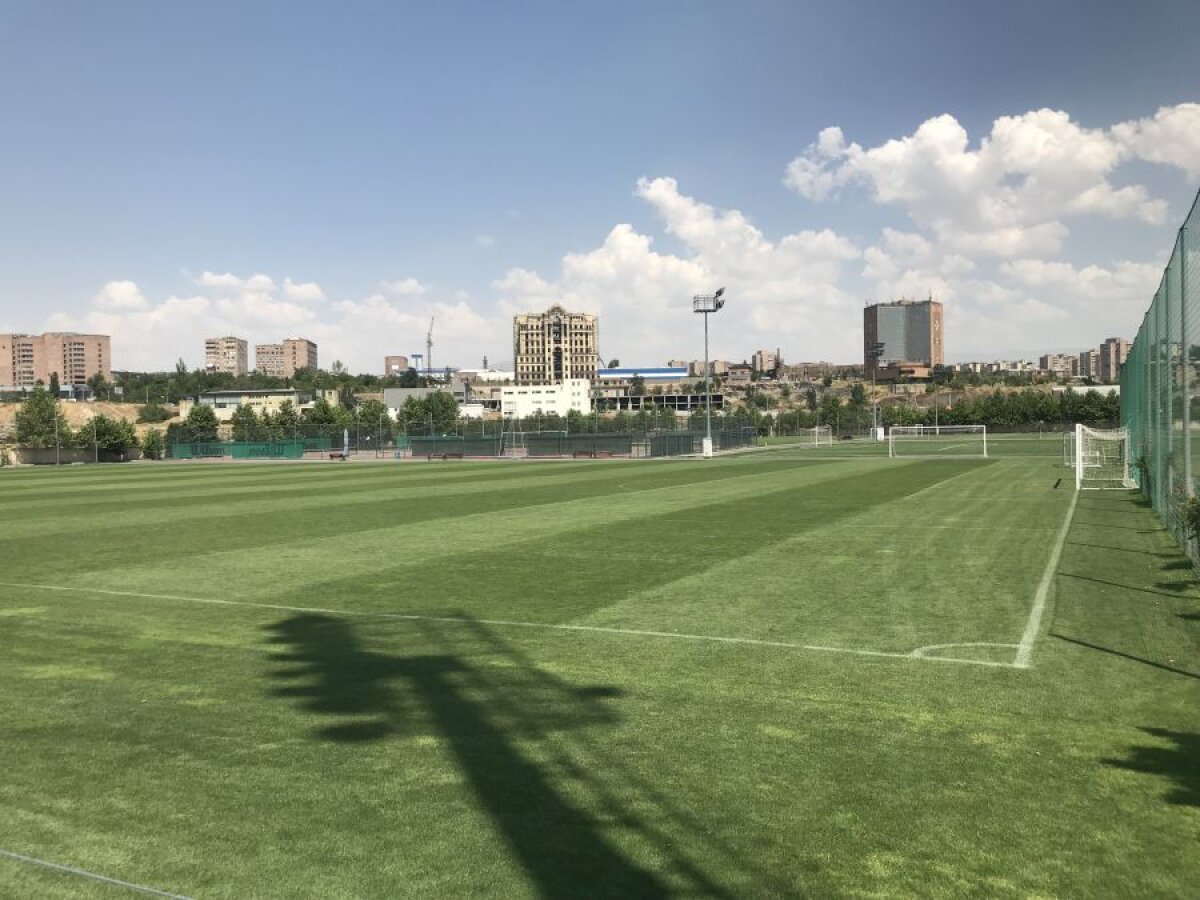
(83, 873)
(1034, 625)
(505, 623)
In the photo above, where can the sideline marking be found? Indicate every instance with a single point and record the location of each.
(83, 873)
(1034, 625)
(505, 623)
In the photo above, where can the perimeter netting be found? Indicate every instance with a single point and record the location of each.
(937, 441)
(1102, 459)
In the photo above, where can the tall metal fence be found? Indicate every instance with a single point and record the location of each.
(1160, 383)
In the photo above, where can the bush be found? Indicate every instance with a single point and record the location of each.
(153, 412)
(153, 444)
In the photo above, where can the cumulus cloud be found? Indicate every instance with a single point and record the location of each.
(302, 292)
(1171, 136)
(1011, 195)
(406, 287)
(779, 290)
(120, 295)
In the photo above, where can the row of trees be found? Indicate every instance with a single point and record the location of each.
(40, 423)
(153, 388)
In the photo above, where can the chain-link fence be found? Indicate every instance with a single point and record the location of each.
(1159, 397)
(469, 439)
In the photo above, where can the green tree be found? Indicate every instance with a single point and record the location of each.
(245, 424)
(153, 444)
(98, 383)
(443, 408)
(153, 412)
(858, 395)
(811, 400)
(614, 363)
(108, 435)
(54, 387)
(201, 423)
(637, 386)
(40, 422)
(827, 381)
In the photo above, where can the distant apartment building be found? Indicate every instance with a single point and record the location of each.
(283, 360)
(1063, 365)
(226, 354)
(911, 333)
(1089, 364)
(394, 366)
(555, 346)
(1113, 353)
(765, 360)
(695, 367)
(28, 358)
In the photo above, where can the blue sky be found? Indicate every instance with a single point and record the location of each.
(345, 171)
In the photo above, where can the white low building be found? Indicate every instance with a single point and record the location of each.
(523, 400)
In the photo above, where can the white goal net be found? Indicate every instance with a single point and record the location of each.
(821, 436)
(937, 441)
(1069, 449)
(1101, 459)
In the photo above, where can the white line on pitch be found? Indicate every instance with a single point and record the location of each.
(83, 873)
(505, 623)
(1033, 626)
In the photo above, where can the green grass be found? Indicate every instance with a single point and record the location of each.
(505, 680)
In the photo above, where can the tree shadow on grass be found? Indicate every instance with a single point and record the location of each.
(1138, 659)
(482, 714)
(1174, 589)
(1180, 763)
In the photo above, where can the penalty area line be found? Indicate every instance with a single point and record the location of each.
(84, 873)
(508, 623)
(1034, 624)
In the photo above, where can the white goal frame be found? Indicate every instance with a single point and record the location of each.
(906, 433)
(821, 436)
(1101, 459)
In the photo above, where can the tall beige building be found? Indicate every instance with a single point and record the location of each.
(1112, 356)
(284, 359)
(226, 354)
(555, 345)
(74, 358)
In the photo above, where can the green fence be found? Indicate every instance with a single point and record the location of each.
(1159, 381)
(239, 450)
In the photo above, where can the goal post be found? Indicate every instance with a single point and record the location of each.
(821, 436)
(937, 441)
(1069, 449)
(1101, 459)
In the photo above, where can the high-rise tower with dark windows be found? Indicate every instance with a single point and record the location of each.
(910, 331)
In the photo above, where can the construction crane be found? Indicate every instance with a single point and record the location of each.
(429, 348)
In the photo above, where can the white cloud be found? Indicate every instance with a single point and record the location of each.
(302, 292)
(120, 295)
(779, 291)
(1010, 196)
(406, 287)
(1171, 136)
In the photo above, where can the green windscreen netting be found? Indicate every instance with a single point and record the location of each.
(1159, 382)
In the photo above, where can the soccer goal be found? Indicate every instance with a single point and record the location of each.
(1069, 449)
(821, 436)
(1102, 459)
(937, 441)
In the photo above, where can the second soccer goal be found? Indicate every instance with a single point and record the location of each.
(937, 441)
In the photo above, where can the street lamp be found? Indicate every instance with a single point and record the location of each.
(875, 353)
(707, 303)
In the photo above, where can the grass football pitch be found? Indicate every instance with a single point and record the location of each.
(790, 672)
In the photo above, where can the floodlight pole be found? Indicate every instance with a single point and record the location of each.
(706, 304)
